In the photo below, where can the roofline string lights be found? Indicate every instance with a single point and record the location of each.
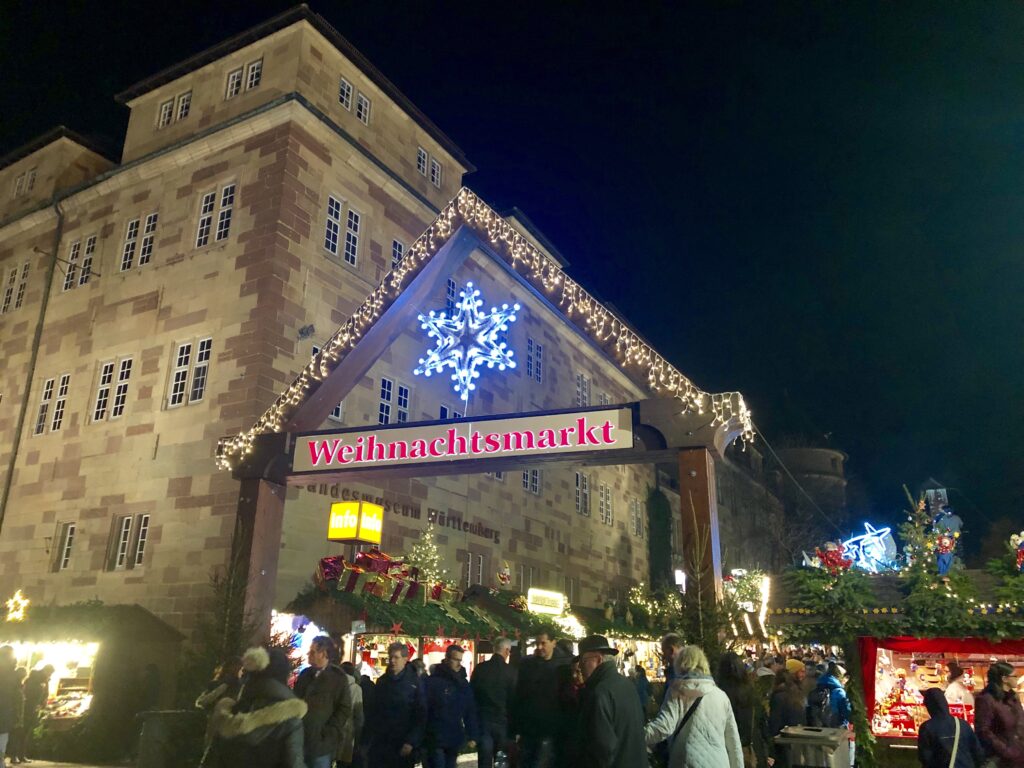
(466, 340)
(611, 332)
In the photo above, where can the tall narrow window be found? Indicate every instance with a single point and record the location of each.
(234, 86)
(604, 502)
(397, 253)
(19, 299)
(636, 518)
(124, 540)
(205, 218)
(363, 109)
(71, 273)
(12, 279)
(65, 542)
(435, 172)
(254, 74)
(583, 494)
(451, 296)
(345, 93)
(19, 186)
(124, 374)
(61, 402)
(200, 370)
(90, 250)
(352, 237)
(99, 411)
(30, 180)
(148, 235)
(166, 114)
(386, 394)
(131, 240)
(582, 390)
(421, 161)
(603, 398)
(184, 105)
(227, 204)
(179, 376)
(531, 481)
(333, 226)
(534, 360)
(141, 539)
(44, 407)
(402, 403)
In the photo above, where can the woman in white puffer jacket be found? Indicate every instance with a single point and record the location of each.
(709, 738)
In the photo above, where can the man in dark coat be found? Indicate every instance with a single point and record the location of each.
(611, 722)
(451, 711)
(494, 687)
(325, 689)
(9, 698)
(397, 713)
(264, 728)
(537, 715)
(936, 737)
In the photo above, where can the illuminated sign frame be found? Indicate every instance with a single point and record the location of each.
(545, 601)
(492, 437)
(356, 521)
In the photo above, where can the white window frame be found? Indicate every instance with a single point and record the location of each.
(19, 186)
(582, 390)
(124, 377)
(12, 279)
(19, 298)
(451, 297)
(532, 481)
(44, 407)
(129, 536)
(636, 517)
(447, 412)
(131, 242)
(603, 399)
(227, 208)
(496, 476)
(148, 236)
(233, 86)
(363, 107)
(332, 224)
(397, 253)
(254, 74)
(606, 511)
(71, 268)
(65, 543)
(403, 394)
(165, 114)
(123, 541)
(190, 372)
(386, 392)
(112, 389)
(60, 402)
(219, 201)
(353, 223)
(85, 272)
(30, 180)
(422, 159)
(583, 494)
(345, 93)
(141, 539)
(436, 172)
(183, 105)
(534, 360)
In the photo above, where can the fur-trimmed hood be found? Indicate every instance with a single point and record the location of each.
(228, 725)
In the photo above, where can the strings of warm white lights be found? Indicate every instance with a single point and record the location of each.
(608, 330)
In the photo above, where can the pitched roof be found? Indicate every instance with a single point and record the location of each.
(52, 135)
(277, 23)
(595, 321)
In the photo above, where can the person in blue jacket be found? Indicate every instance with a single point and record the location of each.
(451, 711)
(937, 737)
(828, 705)
(397, 713)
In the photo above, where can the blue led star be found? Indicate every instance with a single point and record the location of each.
(873, 551)
(467, 340)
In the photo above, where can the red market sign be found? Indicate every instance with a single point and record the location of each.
(468, 439)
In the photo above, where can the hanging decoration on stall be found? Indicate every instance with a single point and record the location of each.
(831, 556)
(505, 574)
(17, 607)
(467, 340)
(1017, 545)
(874, 550)
(946, 527)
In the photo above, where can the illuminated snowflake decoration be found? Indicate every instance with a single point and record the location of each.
(873, 551)
(467, 340)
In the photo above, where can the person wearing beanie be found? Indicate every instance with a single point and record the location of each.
(263, 728)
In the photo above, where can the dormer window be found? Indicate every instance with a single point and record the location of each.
(166, 114)
(234, 86)
(184, 105)
(254, 74)
(363, 109)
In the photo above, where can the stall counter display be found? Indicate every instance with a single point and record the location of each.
(642, 653)
(372, 651)
(70, 688)
(434, 649)
(901, 677)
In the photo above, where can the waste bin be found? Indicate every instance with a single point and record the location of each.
(806, 745)
(171, 738)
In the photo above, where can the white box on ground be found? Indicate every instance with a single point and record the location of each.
(816, 747)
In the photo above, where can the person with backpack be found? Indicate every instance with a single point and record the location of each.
(945, 741)
(828, 705)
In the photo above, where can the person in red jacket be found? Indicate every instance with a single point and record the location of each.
(999, 718)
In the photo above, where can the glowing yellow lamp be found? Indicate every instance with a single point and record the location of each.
(358, 521)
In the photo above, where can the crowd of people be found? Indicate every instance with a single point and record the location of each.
(22, 696)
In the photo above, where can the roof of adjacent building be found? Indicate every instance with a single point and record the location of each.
(52, 135)
(286, 19)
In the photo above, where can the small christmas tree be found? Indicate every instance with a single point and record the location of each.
(426, 559)
(918, 536)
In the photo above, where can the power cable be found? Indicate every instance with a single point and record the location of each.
(795, 482)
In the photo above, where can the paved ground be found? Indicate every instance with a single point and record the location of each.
(465, 760)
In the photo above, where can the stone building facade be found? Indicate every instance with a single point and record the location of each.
(153, 305)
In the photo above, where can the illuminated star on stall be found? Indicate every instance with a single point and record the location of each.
(17, 607)
(467, 340)
(873, 551)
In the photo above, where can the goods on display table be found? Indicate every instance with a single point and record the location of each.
(640, 653)
(70, 686)
(901, 669)
(371, 651)
(435, 647)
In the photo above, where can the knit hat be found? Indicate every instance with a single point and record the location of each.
(794, 666)
(764, 672)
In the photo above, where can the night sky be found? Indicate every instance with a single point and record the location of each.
(818, 204)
